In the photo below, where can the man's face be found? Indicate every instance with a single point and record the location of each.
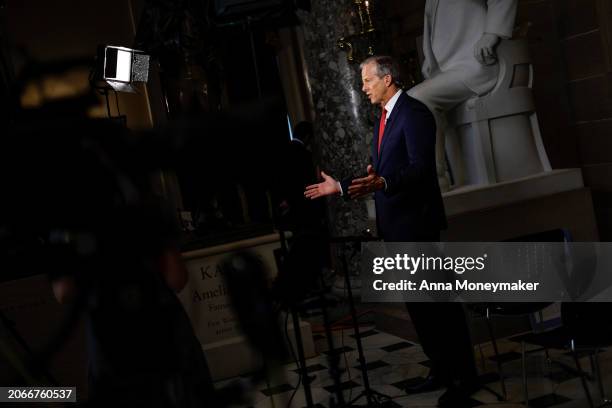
(373, 86)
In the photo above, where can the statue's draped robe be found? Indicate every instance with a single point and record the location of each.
(453, 27)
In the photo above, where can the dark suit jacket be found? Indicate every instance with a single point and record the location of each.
(411, 208)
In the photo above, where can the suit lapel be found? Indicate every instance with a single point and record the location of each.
(391, 120)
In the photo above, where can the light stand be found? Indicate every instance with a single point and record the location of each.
(373, 397)
(333, 357)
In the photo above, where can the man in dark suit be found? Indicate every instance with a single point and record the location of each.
(409, 208)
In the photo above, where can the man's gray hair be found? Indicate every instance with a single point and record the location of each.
(385, 65)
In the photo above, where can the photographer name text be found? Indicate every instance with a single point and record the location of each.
(457, 285)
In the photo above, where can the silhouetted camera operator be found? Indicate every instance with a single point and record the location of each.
(79, 207)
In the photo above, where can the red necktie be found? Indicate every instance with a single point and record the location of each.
(381, 127)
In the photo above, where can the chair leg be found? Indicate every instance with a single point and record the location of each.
(500, 370)
(483, 364)
(548, 361)
(582, 374)
(550, 369)
(606, 402)
(524, 371)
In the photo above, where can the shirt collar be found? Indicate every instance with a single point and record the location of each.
(391, 103)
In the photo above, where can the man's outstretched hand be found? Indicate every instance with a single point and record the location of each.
(367, 185)
(327, 187)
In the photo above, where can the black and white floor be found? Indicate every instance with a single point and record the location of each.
(394, 362)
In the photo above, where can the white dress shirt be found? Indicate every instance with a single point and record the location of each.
(391, 103)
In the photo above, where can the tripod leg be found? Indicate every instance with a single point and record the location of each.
(333, 356)
(302, 358)
(362, 360)
(374, 398)
(524, 372)
(606, 401)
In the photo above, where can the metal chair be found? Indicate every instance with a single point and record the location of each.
(489, 310)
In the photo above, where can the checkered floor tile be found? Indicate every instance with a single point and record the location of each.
(394, 363)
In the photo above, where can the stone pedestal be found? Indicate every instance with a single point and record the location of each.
(537, 203)
(541, 202)
(207, 303)
(234, 356)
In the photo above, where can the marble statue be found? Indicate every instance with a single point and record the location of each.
(460, 61)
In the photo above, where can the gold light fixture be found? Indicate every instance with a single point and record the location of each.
(363, 40)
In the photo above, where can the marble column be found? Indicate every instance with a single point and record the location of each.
(344, 116)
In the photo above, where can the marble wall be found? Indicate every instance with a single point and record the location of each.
(344, 116)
